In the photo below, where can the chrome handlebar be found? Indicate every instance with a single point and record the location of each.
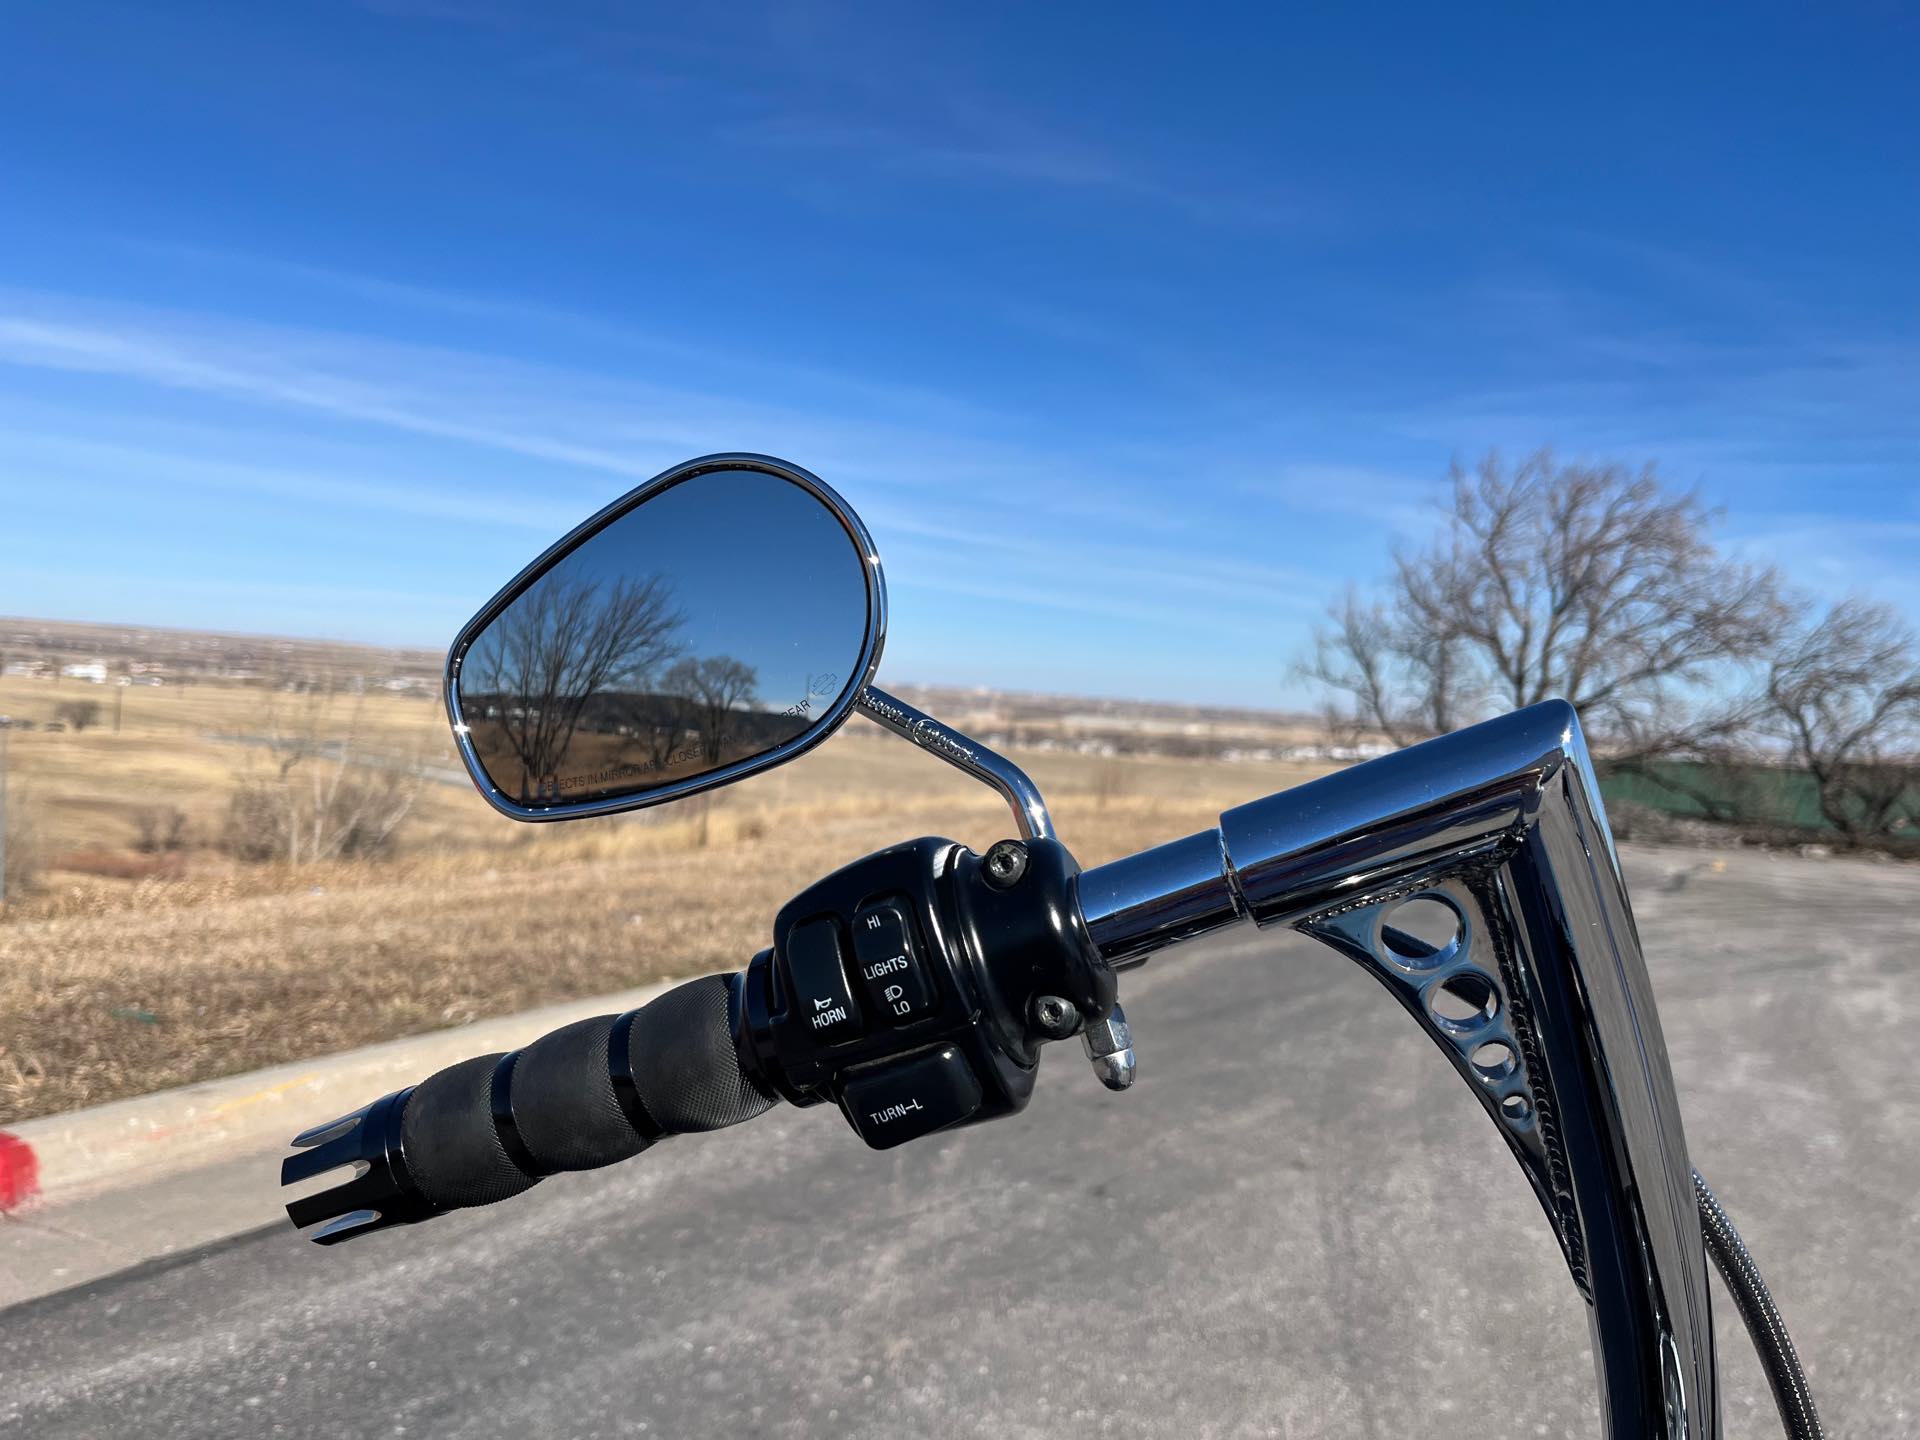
(1557, 1035)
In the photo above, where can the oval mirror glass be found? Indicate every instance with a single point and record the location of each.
(719, 619)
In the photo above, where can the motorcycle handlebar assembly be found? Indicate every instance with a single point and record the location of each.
(914, 989)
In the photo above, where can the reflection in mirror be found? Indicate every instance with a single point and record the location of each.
(719, 619)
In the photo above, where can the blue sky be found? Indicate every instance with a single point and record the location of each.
(1134, 334)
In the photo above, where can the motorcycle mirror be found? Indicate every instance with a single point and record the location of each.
(720, 619)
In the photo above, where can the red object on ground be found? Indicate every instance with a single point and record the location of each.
(19, 1172)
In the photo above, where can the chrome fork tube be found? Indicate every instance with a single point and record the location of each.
(1503, 825)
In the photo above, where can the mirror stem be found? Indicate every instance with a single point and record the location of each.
(1021, 794)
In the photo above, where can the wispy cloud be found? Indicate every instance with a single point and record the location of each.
(47, 456)
(1175, 577)
(558, 326)
(1087, 532)
(825, 91)
(416, 389)
(615, 425)
(1386, 499)
(610, 423)
(997, 143)
(1833, 558)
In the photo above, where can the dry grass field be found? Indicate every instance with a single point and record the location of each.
(128, 972)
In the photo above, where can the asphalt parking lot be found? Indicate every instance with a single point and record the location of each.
(1297, 1223)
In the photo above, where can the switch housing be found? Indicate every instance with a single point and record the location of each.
(936, 969)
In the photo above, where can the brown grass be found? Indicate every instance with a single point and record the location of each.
(97, 786)
(116, 986)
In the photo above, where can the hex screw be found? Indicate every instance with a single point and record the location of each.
(1005, 862)
(1053, 1017)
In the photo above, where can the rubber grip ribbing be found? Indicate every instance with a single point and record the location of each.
(563, 1101)
(452, 1146)
(484, 1130)
(684, 1063)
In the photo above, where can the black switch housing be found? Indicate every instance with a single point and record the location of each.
(967, 957)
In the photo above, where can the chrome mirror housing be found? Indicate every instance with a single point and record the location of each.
(722, 618)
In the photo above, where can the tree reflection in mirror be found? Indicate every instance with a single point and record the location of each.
(717, 620)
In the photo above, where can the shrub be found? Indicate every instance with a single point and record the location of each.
(78, 714)
(353, 816)
(160, 830)
(326, 796)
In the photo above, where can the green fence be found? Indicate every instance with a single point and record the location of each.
(1758, 794)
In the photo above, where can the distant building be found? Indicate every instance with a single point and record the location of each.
(92, 671)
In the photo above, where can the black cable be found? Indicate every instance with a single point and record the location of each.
(1764, 1325)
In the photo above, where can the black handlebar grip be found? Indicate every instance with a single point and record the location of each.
(484, 1130)
(564, 1105)
(452, 1145)
(683, 1062)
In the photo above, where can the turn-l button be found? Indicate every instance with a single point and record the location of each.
(902, 1102)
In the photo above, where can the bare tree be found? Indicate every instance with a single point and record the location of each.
(1592, 583)
(715, 687)
(1845, 697)
(559, 646)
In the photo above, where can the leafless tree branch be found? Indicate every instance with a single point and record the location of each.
(1593, 583)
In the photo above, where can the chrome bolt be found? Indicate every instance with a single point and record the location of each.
(1005, 863)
